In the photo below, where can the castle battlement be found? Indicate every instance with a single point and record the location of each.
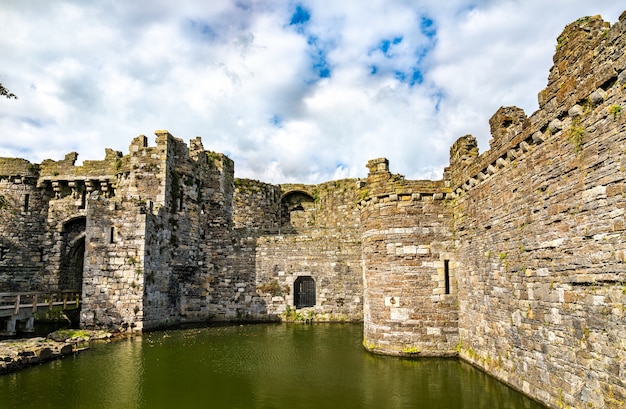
(514, 261)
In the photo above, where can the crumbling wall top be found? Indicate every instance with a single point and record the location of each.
(589, 54)
(589, 67)
(67, 170)
(381, 183)
(378, 165)
(17, 167)
(505, 124)
(464, 150)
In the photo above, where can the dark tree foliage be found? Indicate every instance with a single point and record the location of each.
(6, 93)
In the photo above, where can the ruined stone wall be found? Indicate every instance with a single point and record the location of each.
(137, 209)
(256, 205)
(200, 220)
(116, 259)
(23, 211)
(256, 212)
(409, 266)
(539, 222)
(69, 187)
(113, 275)
(290, 231)
(156, 243)
(515, 260)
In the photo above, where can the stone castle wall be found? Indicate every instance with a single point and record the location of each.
(290, 231)
(539, 222)
(514, 261)
(23, 252)
(533, 231)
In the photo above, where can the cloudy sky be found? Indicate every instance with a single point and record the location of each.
(303, 91)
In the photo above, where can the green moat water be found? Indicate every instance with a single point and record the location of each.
(249, 367)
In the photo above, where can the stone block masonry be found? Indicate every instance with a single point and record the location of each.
(293, 232)
(409, 264)
(539, 231)
(513, 261)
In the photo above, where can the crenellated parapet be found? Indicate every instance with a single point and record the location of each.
(511, 138)
(383, 186)
(65, 178)
(587, 79)
(18, 170)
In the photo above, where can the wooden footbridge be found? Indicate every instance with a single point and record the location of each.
(22, 307)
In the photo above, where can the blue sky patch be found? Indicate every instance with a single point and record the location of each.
(427, 27)
(438, 97)
(318, 52)
(386, 44)
(319, 57)
(416, 78)
(300, 16)
(340, 165)
(410, 77)
(277, 121)
(413, 75)
(320, 64)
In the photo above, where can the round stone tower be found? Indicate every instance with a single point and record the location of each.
(410, 305)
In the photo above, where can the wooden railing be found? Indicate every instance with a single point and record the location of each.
(13, 303)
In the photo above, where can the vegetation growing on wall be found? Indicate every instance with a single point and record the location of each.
(273, 288)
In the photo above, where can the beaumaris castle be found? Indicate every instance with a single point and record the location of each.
(514, 261)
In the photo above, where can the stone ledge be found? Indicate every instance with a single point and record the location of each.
(16, 354)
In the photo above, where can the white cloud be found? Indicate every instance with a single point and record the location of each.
(94, 75)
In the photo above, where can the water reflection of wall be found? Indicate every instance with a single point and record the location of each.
(108, 376)
(115, 378)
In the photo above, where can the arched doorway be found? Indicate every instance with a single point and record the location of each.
(71, 277)
(304, 292)
(72, 255)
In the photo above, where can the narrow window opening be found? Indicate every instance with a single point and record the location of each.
(3, 252)
(180, 201)
(26, 200)
(446, 275)
(83, 199)
(112, 235)
(41, 253)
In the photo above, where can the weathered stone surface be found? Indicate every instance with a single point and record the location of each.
(539, 244)
(514, 261)
(15, 355)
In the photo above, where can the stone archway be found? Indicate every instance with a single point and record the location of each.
(72, 255)
(297, 209)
